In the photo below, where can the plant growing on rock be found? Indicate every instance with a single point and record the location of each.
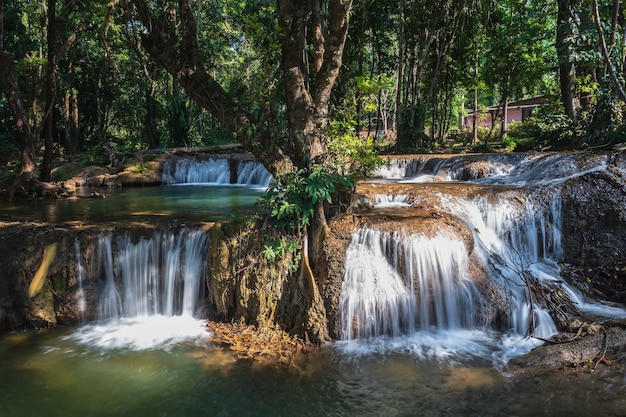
(291, 200)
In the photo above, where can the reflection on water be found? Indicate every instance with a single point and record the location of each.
(197, 202)
(50, 374)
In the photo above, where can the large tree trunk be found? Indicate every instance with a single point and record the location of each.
(307, 90)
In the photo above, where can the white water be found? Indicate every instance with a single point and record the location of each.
(214, 171)
(196, 171)
(413, 294)
(396, 200)
(376, 299)
(151, 290)
(511, 169)
(253, 173)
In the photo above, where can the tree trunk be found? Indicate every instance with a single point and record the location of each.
(25, 140)
(26, 183)
(605, 53)
(50, 93)
(566, 69)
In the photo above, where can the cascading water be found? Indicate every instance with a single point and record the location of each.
(518, 169)
(160, 275)
(151, 290)
(418, 291)
(214, 171)
(396, 200)
(253, 173)
(196, 171)
(433, 292)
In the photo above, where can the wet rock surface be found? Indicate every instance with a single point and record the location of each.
(594, 219)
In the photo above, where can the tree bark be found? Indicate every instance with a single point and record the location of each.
(27, 182)
(566, 69)
(25, 140)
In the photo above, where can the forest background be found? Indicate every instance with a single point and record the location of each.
(409, 72)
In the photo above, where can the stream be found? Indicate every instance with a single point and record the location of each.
(419, 335)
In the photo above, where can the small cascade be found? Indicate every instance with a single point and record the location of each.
(253, 173)
(517, 238)
(156, 276)
(196, 171)
(514, 169)
(215, 170)
(422, 168)
(394, 200)
(151, 292)
(395, 284)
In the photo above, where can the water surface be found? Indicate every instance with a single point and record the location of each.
(50, 373)
(185, 203)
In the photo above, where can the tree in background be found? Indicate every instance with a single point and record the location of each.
(407, 66)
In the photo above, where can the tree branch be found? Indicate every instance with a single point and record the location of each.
(605, 52)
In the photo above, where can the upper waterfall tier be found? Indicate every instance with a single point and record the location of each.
(215, 170)
(513, 169)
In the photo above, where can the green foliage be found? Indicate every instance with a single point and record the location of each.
(279, 249)
(139, 168)
(520, 137)
(349, 154)
(86, 159)
(292, 198)
(508, 143)
(552, 129)
(353, 156)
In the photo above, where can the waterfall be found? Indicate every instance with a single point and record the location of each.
(156, 276)
(518, 169)
(514, 237)
(396, 200)
(215, 170)
(394, 284)
(253, 173)
(196, 171)
(417, 290)
(150, 293)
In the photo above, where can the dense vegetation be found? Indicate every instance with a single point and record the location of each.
(410, 70)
